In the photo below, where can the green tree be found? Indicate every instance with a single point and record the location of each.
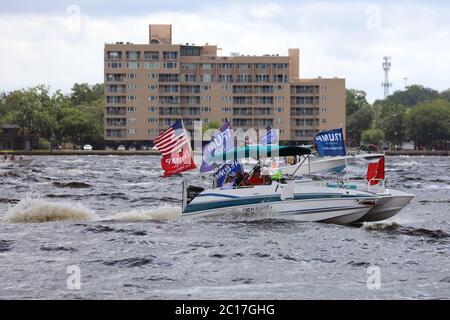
(83, 93)
(358, 122)
(374, 136)
(355, 100)
(413, 95)
(429, 123)
(445, 95)
(391, 120)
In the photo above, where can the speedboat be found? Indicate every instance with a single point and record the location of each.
(286, 200)
(390, 201)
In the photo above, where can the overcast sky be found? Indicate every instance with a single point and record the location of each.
(59, 42)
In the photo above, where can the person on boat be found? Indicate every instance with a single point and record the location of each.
(229, 183)
(12, 158)
(256, 178)
(21, 157)
(5, 157)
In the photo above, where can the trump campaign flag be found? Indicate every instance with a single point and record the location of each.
(176, 150)
(221, 142)
(269, 137)
(330, 143)
(229, 169)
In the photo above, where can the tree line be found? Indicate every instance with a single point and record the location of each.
(417, 114)
(56, 118)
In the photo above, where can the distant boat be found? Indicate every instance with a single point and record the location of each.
(17, 162)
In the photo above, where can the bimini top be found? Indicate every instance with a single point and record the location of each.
(260, 151)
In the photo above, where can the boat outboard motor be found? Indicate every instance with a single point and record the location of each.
(189, 193)
(192, 192)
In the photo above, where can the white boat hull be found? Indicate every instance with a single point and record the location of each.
(318, 165)
(312, 204)
(388, 206)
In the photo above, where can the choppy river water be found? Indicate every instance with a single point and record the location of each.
(117, 220)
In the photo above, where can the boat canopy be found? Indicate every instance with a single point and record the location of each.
(261, 151)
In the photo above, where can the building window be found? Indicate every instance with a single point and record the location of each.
(132, 86)
(151, 65)
(153, 76)
(131, 75)
(226, 109)
(189, 78)
(279, 98)
(133, 55)
(225, 66)
(279, 109)
(152, 98)
(226, 98)
(324, 120)
(151, 55)
(188, 66)
(152, 87)
(131, 131)
(133, 65)
(169, 65)
(131, 98)
(114, 65)
(170, 55)
(225, 78)
(131, 120)
(324, 98)
(206, 78)
(244, 66)
(152, 120)
(206, 66)
(152, 109)
(206, 98)
(152, 132)
(114, 55)
(206, 109)
(131, 109)
(189, 51)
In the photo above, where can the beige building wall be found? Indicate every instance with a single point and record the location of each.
(149, 86)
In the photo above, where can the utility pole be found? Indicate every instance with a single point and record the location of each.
(386, 67)
(405, 78)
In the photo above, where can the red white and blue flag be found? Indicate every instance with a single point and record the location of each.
(175, 148)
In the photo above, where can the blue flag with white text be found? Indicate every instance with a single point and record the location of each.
(221, 142)
(229, 169)
(330, 143)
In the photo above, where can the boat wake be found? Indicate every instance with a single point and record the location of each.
(34, 209)
(160, 213)
(37, 210)
(397, 229)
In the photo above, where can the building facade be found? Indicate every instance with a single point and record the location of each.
(149, 86)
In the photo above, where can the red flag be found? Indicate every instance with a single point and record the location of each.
(178, 162)
(375, 172)
(175, 148)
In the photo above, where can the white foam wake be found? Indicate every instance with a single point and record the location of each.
(36, 210)
(161, 213)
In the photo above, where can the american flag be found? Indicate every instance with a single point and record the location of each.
(269, 137)
(171, 139)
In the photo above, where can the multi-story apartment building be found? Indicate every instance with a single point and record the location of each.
(149, 86)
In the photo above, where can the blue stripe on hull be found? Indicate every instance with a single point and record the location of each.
(258, 200)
